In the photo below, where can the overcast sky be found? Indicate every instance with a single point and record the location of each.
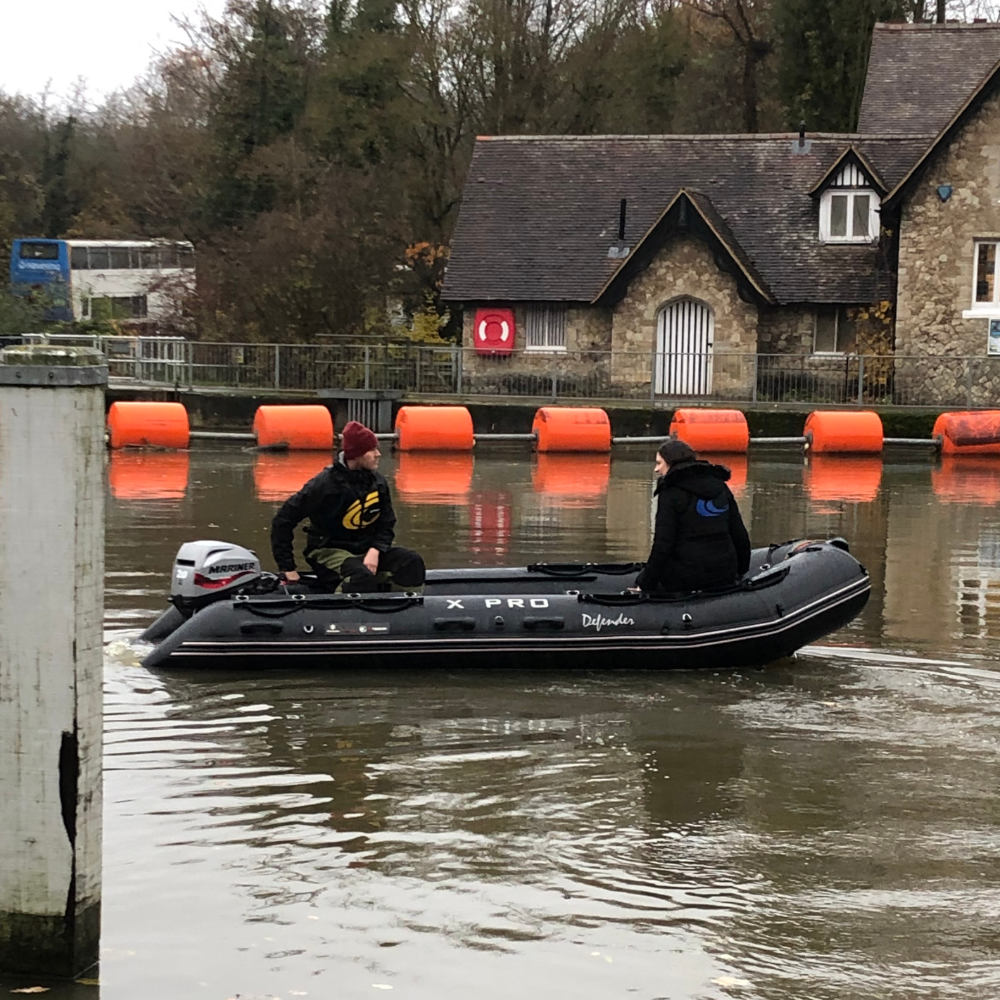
(107, 43)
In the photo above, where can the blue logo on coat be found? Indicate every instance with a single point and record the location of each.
(707, 508)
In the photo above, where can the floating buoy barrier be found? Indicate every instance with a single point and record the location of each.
(573, 476)
(571, 428)
(434, 428)
(971, 432)
(297, 428)
(851, 478)
(148, 425)
(844, 431)
(148, 475)
(711, 430)
(425, 478)
(277, 475)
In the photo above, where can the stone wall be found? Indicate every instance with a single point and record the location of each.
(786, 330)
(685, 267)
(936, 261)
(585, 361)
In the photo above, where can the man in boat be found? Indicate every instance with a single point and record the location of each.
(351, 529)
(699, 539)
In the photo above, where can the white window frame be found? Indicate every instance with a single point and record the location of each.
(545, 328)
(992, 308)
(838, 313)
(826, 210)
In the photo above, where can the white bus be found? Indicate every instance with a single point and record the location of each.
(136, 282)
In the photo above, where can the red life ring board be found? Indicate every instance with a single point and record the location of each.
(493, 332)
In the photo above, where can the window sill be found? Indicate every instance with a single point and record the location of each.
(545, 350)
(986, 311)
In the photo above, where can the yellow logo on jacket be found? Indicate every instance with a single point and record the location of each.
(361, 513)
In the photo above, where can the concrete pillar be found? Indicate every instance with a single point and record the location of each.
(51, 609)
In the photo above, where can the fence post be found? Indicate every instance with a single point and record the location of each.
(968, 383)
(753, 370)
(277, 366)
(368, 372)
(861, 380)
(555, 388)
(457, 359)
(51, 657)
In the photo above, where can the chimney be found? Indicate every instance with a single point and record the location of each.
(618, 251)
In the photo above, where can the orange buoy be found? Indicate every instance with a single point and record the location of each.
(298, 428)
(969, 432)
(148, 425)
(711, 430)
(277, 475)
(967, 479)
(857, 431)
(571, 428)
(851, 478)
(148, 475)
(426, 478)
(434, 428)
(571, 476)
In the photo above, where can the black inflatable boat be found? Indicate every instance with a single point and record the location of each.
(225, 612)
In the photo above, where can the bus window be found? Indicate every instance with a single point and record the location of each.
(119, 258)
(98, 259)
(78, 258)
(39, 251)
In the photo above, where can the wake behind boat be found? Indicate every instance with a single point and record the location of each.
(225, 612)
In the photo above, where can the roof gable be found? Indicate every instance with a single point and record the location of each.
(540, 213)
(902, 96)
(851, 169)
(689, 212)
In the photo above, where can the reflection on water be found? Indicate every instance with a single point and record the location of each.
(824, 827)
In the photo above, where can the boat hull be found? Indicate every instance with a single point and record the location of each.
(520, 619)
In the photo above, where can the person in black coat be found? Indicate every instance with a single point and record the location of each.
(699, 539)
(351, 529)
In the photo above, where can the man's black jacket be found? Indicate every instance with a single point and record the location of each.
(347, 509)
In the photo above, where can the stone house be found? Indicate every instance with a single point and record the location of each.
(720, 265)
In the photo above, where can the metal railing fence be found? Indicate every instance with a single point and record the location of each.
(812, 379)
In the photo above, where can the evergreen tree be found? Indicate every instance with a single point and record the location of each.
(823, 54)
(262, 95)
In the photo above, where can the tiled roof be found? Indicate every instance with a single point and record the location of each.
(920, 75)
(539, 213)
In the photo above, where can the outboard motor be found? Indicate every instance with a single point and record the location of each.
(206, 571)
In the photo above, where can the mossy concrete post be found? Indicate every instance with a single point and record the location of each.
(51, 611)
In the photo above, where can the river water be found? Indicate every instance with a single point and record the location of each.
(825, 827)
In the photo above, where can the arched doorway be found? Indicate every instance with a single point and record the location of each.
(682, 366)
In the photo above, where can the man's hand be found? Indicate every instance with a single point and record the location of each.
(290, 576)
(371, 560)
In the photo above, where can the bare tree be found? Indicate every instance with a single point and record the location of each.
(746, 21)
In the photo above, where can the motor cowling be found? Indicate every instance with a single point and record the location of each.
(207, 571)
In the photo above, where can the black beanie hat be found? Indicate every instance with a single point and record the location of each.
(675, 450)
